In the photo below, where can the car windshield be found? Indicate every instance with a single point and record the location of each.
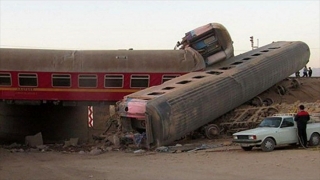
(271, 122)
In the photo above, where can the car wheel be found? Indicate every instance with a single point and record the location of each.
(212, 131)
(247, 148)
(314, 139)
(268, 145)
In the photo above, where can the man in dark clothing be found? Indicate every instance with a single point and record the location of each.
(310, 72)
(302, 117)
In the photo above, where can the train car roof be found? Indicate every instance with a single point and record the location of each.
(100, 60)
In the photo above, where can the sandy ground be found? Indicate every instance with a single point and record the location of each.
(227, 162)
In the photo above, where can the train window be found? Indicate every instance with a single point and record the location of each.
(214, 72)
(139, 81)
(5, 79)
(183, 82)
(257, 54)
(61, 80)
(168, 77)
(236, 63)
(113, 81)
(28, 80)
(265, 51)
(87, 80)
(198, 77)
(155, 93)
(225, 68)
(167, 88)
(246, 58)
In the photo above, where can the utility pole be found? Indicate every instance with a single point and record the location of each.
(252, 43)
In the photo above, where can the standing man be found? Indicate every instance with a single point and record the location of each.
(302, 117)
(305, 72)
(310, 72)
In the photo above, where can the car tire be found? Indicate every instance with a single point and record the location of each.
(314, 139)
(247, 148)
(268, 145)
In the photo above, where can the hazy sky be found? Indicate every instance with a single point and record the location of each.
(146, 24)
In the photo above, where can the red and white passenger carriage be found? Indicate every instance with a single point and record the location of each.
(37, 76)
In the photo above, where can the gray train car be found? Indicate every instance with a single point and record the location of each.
(169, 111)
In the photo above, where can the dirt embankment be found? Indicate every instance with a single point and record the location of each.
(293, 90)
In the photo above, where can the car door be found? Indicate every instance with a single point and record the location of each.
(287, 131)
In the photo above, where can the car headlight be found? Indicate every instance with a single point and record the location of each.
(252, 137)
(235, 137)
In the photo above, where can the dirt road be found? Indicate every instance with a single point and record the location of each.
(226, 163)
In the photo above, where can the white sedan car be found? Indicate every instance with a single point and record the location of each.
(279, 129)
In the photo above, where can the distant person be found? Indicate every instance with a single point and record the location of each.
(310, 72)
(298, 74)
(305, 72)
(301, 118)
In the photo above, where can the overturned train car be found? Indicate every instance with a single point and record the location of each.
(170, 111)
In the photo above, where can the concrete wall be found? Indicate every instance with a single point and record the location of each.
(56, 123)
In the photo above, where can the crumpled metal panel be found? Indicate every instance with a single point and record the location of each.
(195, 99)
(212, 41)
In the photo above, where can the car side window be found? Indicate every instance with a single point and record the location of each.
(287, 122)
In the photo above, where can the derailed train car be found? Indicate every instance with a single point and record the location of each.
(36, 76)
(169, 111)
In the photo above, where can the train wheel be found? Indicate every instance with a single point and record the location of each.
(281, 90)
(212, 131)
(295, 83)
(272, 111)
(256, 101)
(268, 101)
